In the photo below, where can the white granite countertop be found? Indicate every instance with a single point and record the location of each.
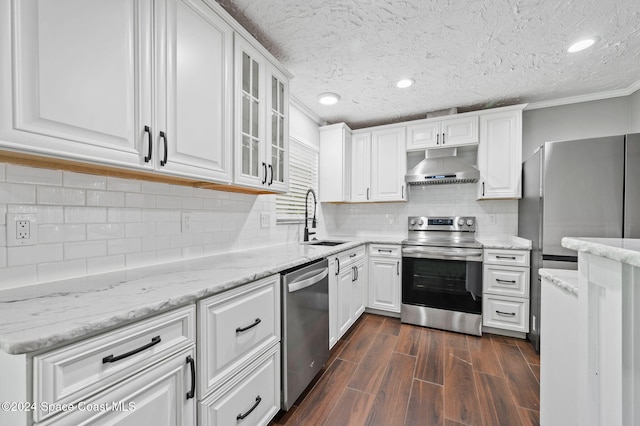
(369, 238)
(40, 316)
(563, 278)
(506, 243)
(625, 250)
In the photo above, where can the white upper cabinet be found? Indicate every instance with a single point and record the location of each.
(361, 167)
(335, 163)
(195, 96)
(442, 133)
(81, 74)
(262, 121)
(388, 164)
(500, 154)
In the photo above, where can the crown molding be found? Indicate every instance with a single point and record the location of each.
(586, 98)
(293, 101)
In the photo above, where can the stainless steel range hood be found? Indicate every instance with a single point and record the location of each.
(442, 166)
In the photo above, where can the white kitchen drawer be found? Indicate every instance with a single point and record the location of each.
(507, 257)
(507, 313)
(257, 387)
(157, 396)
(79, 370)
(234, 328)
(384, 250)
(506, 280)
(347, 258)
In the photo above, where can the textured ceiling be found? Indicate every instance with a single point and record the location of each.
(470, 54)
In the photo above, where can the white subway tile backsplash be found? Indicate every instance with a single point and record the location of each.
(168, 202)
(18, 276)
(192, 203)
(59, 233)
(85, 249)
(79, 180)
(156, 243)
(147, 201)
(124, 185)
(3, 257)
(62, 270)
(32, 175)
(124, 245)
(60, 196)
(140, 229)
(155, 188)
(125, 215)
(105, 231)
(105, 198)
(3, 214)
(171, 228)
(17, 193)
(99, 265)
(50, 214)
(2, 172)
(137, 260)
(85, 214)
(169, 255)
(41, 253)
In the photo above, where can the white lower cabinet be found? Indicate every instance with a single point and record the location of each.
(505, 292)
(347, 291)
(239, 354)
(252, 397)
(160, 396)
(385, 277)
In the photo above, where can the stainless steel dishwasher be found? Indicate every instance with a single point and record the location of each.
(305, 327)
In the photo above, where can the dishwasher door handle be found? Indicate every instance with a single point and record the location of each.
(299, 285)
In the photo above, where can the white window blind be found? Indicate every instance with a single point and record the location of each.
(303, 174)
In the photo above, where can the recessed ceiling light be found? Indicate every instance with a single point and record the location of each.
(405, 82)
(581, 45)
(328, 98)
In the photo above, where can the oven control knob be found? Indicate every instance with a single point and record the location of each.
(412, 222)
(420, 222)
(469, 222)
(460, 222)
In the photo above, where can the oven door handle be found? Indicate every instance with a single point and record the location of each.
(445, 254)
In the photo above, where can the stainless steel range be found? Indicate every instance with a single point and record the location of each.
(442, 274)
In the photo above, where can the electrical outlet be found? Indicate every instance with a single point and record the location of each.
(22, 230)
(186, 222)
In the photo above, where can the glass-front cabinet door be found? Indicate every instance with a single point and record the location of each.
(278, 132)
(251, 168)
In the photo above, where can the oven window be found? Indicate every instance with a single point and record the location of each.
(443, 284)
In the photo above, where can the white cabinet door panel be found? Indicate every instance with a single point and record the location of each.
(196, 118)
(345, 291)
(82, 79)
(460, 131)
(388, 164)
(361, 167)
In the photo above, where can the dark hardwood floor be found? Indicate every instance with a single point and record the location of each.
(387, 373)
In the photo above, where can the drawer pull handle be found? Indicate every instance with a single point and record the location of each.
(112, 358)
(506, 257)
(384, 250)
(507, 314)
(241, 329)
(506, 281)
(353, 255)
(242, 416)
(192, 364)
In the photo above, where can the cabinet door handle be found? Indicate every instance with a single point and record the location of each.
(147, 130)
(398, 268)
(242, 416)
(192, 364)
(506, 314)
(264, 166)
(271, 174)
(443, 139)
(353, 275)
(438, 139)
(163, 136)
(353, 255)
(483, 189)
(338, 269)
(112, 358)
(506, 257)
(402, 195)
(357, 273)
(242, 329)
(505, 281)
(367, 193)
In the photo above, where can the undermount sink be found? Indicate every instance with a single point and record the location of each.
(326, 243)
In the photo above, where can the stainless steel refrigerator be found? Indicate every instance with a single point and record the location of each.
(579, 188)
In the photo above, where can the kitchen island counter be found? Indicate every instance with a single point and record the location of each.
(44, 315)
